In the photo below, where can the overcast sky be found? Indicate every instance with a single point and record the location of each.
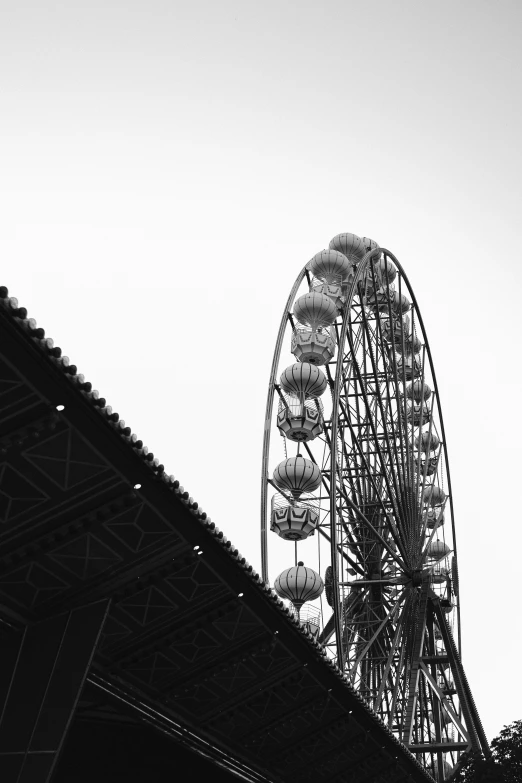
(166, 170)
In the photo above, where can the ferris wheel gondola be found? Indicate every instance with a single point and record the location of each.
(364, 493)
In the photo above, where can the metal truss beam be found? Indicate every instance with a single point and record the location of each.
(478, 737)
(434, 747)
(409, 721)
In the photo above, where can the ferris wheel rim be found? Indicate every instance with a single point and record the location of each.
(268, 421)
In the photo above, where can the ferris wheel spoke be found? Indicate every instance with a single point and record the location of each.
(397, 638)
(356, 485)
(399, 459)
(359, 491)
(361, 516)
(376, 378)
(329, 628)
(396, 695)
(395, 532)
(385, 463)
(353, 563)
(352, 505)
(370, 474)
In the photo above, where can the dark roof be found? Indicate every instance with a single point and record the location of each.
(193, 633)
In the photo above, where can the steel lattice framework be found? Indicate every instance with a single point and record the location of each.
(391, 618)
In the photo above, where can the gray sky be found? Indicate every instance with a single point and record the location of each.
(166, 170)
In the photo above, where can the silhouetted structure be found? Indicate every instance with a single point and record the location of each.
(120, 599)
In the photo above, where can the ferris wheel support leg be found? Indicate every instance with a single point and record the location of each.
(413, 682)
(477, 735)
(436, 712)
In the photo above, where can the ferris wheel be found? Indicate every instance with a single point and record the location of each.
(356, 499)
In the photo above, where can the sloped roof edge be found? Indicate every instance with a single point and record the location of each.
(10, 308)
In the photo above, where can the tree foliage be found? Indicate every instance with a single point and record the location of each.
(505, 764)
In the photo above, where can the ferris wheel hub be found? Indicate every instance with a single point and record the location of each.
(418, 577)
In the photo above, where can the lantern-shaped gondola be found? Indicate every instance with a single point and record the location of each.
(297, 475)
(388, 301)
(429, 466)
(315, 347)
(433, 495)
(408, 367)
(434, 517)
(410, 346)
(427, 441)
(395, 330)
(303, 380)
(299, 584)
(439, 575)
(300, 415)
(438, 550)
(382, 274)
(294, 520)
(418, 391)
(314, 344)
(417, 414)
(353, 247)
(330, 266)
(295, 514)
(310, 618)
(334, 291)
(315, 310)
